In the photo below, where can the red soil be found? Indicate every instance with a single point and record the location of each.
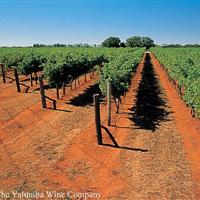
(188, 126)
(30, 136)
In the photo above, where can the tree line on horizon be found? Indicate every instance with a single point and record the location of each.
(109, 43)
(180, 45)
(65, 45)
(134, 41)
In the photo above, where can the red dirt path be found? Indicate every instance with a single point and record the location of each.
(188, 126)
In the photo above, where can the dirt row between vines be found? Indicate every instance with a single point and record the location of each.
(188, 127)
(32, 139)
(144, 153)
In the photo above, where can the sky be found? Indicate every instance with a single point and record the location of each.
(26, 22)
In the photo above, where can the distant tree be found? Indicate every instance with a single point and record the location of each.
(59, 45)
(35, 45)
(86, 45)
(122, 44)
(49, 45)
(192, 45)
(111, 42)
(39, 45)
(135, 41)
(172, 45)
(147, 42)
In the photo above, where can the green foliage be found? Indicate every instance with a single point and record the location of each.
(122, 44)
(147, 42)
(59, 66)
(111, 42)
(137, 41)
(119, 70)
(31, 63)
(9, 58)
(183, 64)
(58, 63)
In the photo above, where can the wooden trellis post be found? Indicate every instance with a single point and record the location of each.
(36, 77)
(71, 85)
(97, 118)
(3, 73)
(57, 91)
(31, 79)
(78, 80)
(42, 92)
(63, 87)
(109, 102)
(17, 80)
(75, 83)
